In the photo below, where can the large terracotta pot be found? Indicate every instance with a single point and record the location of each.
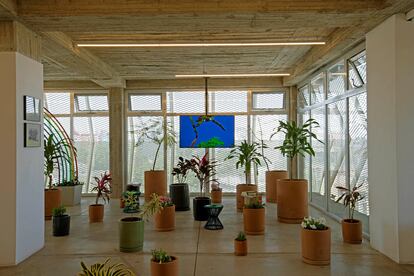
(96, 213)
(165, 269)
(165, 220)
(240, 248)
(292, 200)
(131, 234)
(271, 184)
(53, 199)
(352, 231)
(155, 183)
(316, 246)
(254, 221)
(216, 196)
(239, 190)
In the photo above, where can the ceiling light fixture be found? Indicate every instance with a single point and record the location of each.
(232, 75)
(241, 44)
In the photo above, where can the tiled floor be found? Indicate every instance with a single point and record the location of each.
(200, 252)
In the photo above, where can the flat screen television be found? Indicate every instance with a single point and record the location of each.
(207, 131)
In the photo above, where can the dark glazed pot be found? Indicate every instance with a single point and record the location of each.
(180, 196)
(200, 213)
(61, 225)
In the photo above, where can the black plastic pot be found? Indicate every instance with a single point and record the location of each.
(180, 196)
(61, 225)
(200, 213)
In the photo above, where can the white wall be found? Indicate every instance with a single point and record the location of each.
(390, 61)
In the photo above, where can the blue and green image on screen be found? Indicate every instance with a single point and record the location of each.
(207, 131)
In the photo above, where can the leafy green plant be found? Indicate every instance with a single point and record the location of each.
(247, 155)
(103, 187)
(241, 236)
(131, 201)
(204, 169)
(254, 205)
(158, 133)
(350, 198)
(106, 269)
(160, 256)
(59, 211)
(181, 170)
(72, 182)
(297, 139)
(155, 205)
(53, 151)
(311, 223)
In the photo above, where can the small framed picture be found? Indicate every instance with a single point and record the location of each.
(32, 135)
(31, 109)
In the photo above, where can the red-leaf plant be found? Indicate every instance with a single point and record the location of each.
(350, 198)
(103, 187)
(204, 170)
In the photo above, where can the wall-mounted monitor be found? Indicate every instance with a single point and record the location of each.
(207, 131)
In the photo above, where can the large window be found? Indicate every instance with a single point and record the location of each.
(85, 119)
(256, 116)
(338, 103)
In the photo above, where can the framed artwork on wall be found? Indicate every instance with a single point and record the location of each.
(31, 109)
(32, 135)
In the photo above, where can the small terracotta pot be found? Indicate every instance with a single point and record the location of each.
(271, 184)
(352, 231)
(165, 269)
(216, 196)
(254, 221)
(96, 213)
(316, 246)
(243, 188)
(53, 199)
(121, 203)
(155, 183)
(240, 248)
(165, 220)
(292, 200)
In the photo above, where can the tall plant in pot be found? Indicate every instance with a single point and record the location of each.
(248, 155)
(103, 190)
(351, 227)
(155, 131)
(179, 191)
(315, 241)
(292, 194)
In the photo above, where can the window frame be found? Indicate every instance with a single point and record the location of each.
(75, 102)
(281, 92)
(132, 94)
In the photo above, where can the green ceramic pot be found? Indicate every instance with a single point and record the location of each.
(131, 234)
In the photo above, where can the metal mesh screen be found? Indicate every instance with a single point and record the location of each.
(318, 162)
(145, 102)
(357, 72)
(186, 102)
(303, 97)
(228, 101)
(268, 100)
(57, 103)
(336, 79)
(317, 89)
(91, 103)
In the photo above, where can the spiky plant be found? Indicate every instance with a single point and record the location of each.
(106, 269)
(103, 187)
(349, 198)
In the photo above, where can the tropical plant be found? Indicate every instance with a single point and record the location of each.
(72, 182)
(103, 187)
(350, 197)
(311, 223)
(157, 132)
(263, 145)
(106, 269)
(255, 204)
(155, 205)
(204, 170)
(296, 139)
(247, 155)
(59, 211)
(160, 256)
(181, 170)
(131, 200)
(241, 236)
(53, 151)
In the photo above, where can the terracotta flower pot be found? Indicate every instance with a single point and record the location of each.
(240, 248)
(292, 200)
(352, 231)
(243, 188)
(271, 184)
(155, 183)
(316, 246)
(96, 213)
(53, 199)
(165, 269)
(216, 196)
(131, 234)
(254, 221)
(165, 220)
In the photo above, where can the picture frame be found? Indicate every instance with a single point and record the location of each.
(32, 135)
(31, 109)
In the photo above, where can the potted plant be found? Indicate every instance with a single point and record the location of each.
(216, 193)
(179, 191)
(71, 192)
(61, 222)
(248, 155)
(155, 181)
(254, 218)
(204, 170)
(131, 201)
(292, 194)
(103, 190)
(240, 244)
(316, 241)
(105, 269)
(163, 210)
(163, 264)
(53, 151)
(351, 228)
(130, 188)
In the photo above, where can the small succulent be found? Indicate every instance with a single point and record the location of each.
(160, 256)
(241, 236)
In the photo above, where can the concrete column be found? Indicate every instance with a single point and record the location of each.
(116, 140)
(22, 184)
(390, 61)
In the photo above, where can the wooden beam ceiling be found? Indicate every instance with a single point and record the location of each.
(8, 9)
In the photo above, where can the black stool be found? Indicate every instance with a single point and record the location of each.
(213, 222)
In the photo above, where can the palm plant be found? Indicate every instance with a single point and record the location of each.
(350, 198)
(103, 187)
(105, 269)
(53, 151)
(248, 155)
(296, 140)
(204, 170)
